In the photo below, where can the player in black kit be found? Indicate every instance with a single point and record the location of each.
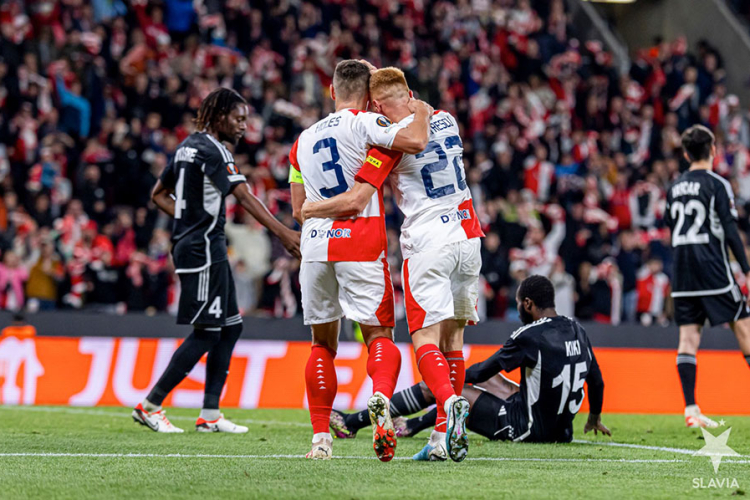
(700, 212)
(555, 358)
(192, 189)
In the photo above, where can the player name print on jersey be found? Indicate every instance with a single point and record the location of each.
(185, 154)
(686, 189)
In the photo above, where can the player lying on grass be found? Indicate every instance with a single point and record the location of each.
(441, 248)
(192, 190)
(555, 358)
(344, 270)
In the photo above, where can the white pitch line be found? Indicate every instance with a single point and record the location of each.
(300, 457)
(125, 413)
(681, 451)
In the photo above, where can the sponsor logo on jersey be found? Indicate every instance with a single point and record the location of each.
(232, 169)
(383, 121)
(331, 233)
(374, 161)
(458, 215)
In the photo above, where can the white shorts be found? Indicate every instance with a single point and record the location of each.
(442, 283)
(361, 291)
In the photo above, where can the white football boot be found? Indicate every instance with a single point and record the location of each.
(694, 418)
(221, 424)
(156, 421)
(321, 447)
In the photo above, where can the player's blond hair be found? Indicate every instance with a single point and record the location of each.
(388, 82)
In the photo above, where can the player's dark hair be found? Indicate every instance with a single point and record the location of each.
(539, 289)
(219, 102)
(351, 79)
(697, 142)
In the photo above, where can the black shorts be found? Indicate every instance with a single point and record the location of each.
(208, 297)
(495, 418)
(718, 309)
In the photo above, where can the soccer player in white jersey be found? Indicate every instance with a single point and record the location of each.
(441, 248)
(344, 271)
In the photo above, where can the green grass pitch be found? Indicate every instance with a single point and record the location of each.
(50, 452)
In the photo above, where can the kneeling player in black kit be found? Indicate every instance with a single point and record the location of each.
(700, 212)
(555, 358)
(192, 189)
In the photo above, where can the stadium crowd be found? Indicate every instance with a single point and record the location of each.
(567, 158)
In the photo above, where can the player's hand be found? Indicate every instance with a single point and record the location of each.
(416, 105)
(594, 423)
(291, 241)
(305, 210)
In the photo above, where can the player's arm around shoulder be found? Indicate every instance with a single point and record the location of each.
(347, 204)
(413, 138)
(378, 164)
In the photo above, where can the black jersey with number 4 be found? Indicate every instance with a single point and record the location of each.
(701, 214)
(202, 173)
(555, 358)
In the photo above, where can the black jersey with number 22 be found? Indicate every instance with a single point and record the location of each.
(701, 214)
(202, 173)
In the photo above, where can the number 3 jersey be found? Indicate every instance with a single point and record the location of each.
(430, 189)
(202, 173)
(701, 214)
(329, 155)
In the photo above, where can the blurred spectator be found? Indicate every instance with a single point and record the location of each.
(13, 275)
(45, 277)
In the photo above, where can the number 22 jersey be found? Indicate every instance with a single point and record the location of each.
(329, 154)
(430, 189)
(700, 212)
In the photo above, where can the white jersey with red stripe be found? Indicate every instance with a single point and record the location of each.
(431, 191)
(329, 155)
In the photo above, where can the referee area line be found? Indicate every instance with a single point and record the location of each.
(87, 411)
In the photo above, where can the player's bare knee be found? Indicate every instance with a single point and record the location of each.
(741, 330)
(425, 336)
(326, 335)
(690, 339)
(370, 333)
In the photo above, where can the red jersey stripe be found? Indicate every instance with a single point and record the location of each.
(471, 225)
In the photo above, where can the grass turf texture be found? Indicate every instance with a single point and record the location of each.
(525, 471)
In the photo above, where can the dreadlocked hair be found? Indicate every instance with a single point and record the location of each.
(219, 102)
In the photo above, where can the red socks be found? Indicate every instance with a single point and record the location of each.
(458, 370)
(383, 365)
(320, 378)
(434, 369)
